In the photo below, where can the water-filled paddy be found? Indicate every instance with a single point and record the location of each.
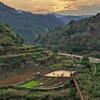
(60, 73)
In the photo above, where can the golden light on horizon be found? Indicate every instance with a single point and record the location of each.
(49, 6)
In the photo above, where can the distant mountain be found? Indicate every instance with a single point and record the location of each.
(81, 37)
(67, 19)
(26, 24)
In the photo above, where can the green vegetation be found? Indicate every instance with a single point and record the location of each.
(9, 40)
(24, 58)
(8, 37)
(58, 65)
(31, 84)
(89, 82)
(85, 61)
(70, 61)
(80, 37)
(33, 95)
(73, 94)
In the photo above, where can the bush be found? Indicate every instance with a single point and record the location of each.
(86, 61)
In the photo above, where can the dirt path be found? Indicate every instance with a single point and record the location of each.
(93, 60)
(78, 88)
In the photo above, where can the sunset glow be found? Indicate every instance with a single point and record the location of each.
(50, 6)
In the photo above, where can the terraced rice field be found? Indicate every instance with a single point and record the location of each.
(51, 79)
(53, 82)
(45, 82)
(23, 58)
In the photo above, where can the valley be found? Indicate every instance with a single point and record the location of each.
(48, 59)
(27, 24)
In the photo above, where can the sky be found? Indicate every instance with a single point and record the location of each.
(65, 7)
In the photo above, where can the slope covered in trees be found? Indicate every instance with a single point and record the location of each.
(81, 37)
(26, 24)
(8, 37)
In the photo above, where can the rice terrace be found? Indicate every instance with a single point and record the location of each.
(47, 80)
(38, 69)
(53, 76)
(39, 78)
(30, 71)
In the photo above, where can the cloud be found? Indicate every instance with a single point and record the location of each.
(44, 11)
(83, 10)
(47, 6)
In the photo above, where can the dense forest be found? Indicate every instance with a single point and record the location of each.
(81, 37)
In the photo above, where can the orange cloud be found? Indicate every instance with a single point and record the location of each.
(47, 6)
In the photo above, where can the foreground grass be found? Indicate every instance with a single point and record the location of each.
(31, 84)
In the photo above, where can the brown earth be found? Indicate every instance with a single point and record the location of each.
(55, 82)
(21, 78)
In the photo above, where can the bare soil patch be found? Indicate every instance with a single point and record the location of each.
(21, 78)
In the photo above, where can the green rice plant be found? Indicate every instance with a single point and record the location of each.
(31, 84)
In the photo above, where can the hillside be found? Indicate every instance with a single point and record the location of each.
(8, 37)
(80, 37)
(26, 24)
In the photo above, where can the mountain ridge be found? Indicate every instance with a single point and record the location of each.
(67, 18)
(26, 24)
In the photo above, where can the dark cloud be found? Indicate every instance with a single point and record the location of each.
(83, 10)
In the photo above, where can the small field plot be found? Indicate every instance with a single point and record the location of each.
(54, 82)
(70, 61)
(58, 65)
(33, 83)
